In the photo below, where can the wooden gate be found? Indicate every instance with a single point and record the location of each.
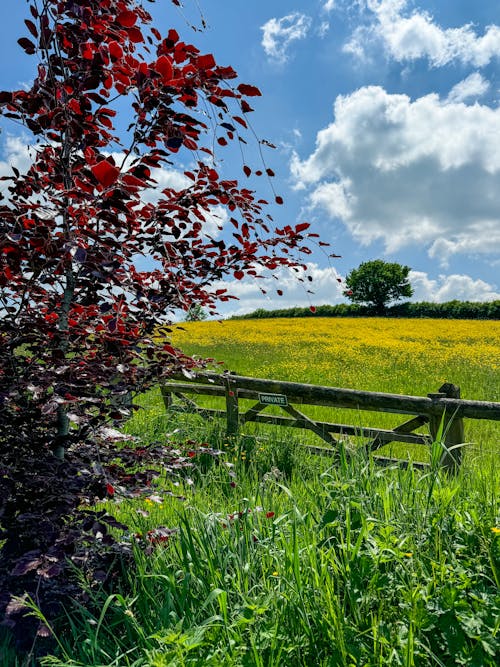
(443, 410)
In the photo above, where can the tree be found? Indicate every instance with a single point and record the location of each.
(377, 283)
(195, 313)
(80, 322)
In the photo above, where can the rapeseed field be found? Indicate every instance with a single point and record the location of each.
(404, 356)
(377, 354)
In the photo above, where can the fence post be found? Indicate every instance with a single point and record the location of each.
(167, 397)
(453, 430)
(232, 410)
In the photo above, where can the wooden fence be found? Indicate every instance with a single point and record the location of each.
(442, 409)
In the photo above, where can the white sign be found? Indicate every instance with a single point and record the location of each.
(273, 399)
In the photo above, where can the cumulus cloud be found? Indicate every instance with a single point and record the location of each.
(325, 286)
(408, 172)
(472, 87)
(448, 288)
(278, 34)
(414, 36)
(329, 6)
(16, 154)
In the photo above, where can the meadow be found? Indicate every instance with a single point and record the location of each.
(401, 356)
(279, 558)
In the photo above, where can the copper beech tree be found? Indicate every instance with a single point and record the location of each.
(80, 320)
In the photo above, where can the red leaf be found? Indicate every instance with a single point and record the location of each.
(74, 106)
(127, 19)
(106, 173)
(240, 121)
(279, 200)
(31, 27)
(133, 181)
(164, 67)
(173, 35)
(312, 309)
(279, 292)
(238, 275)
(245, 107)
(221, 141)
(206, 62)
(249, 91)
(270, 172)
(115, 50)
(27, 45)
(247, 170)
(135, 35)
(301, 227)
(110, 489)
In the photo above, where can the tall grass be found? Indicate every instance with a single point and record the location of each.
(351, 565)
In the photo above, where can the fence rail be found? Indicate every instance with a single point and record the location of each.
(443, 410)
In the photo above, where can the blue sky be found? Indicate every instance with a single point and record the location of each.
(386, 118)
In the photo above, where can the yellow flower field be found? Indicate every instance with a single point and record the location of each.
(397, 355)
(406, 356)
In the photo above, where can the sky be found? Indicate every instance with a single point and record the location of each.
(386, 119)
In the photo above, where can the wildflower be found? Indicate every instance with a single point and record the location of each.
(275, 574)
(269, 515)
(408, 554)
(495, 530)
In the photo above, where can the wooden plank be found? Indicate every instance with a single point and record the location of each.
(345, 429)
(166, 396)
(453, 435)
(194, 406)
(384, 461)
(407, 427)
(252, 412)
(310, 424)
(342, 429)
(232, 408)
(359, 400)
(185, 387)
(382, 436)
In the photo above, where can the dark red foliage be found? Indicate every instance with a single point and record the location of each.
(78, 314)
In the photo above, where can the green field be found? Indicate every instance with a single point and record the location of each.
(412, 357)
(279, 558)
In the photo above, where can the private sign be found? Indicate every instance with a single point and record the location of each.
(273, 399)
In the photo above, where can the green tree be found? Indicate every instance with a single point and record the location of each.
(377, 283)
(195, 313)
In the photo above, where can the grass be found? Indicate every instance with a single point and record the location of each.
(347, 565)
(278, 558)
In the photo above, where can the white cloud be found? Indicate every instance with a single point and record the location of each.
(329, 6)
(17, 154)
(451, 287)
(408, 172)
(473, 86)
(325, 285)
(415, 36)
(278, 34)
(323, 28)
